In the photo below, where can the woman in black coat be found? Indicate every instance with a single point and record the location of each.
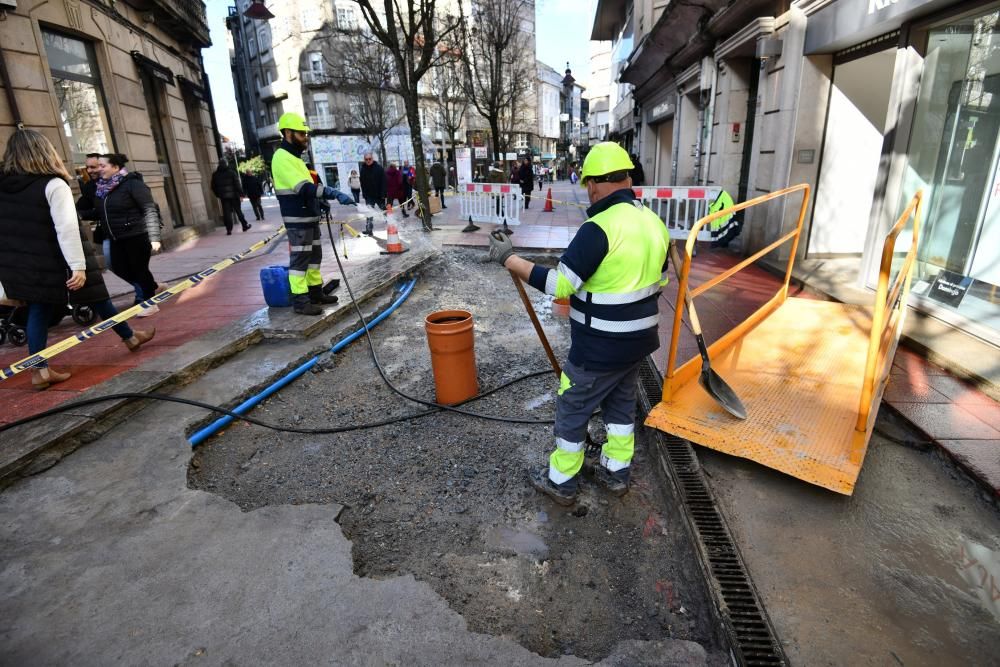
(130, 219)
(42, 255)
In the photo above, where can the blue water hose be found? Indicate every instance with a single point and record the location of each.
(205, 433)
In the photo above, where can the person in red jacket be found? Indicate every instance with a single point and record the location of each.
(394, 186)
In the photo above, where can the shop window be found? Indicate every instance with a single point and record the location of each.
(954, 157)
(77, 81)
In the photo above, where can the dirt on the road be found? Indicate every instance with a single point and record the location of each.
(445, 499)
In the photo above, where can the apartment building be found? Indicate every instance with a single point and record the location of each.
(127, 76)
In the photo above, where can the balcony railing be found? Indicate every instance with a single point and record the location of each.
(313, 78)
(268, 131)
(324, 121)
(183, 19)
(277, 90)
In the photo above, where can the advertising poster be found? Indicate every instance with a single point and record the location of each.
(463, 160)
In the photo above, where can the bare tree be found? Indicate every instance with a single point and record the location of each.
(449, 95)
(499, 67)
(418, 34)
(365, 69)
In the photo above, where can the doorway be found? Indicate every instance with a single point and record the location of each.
(852, 148)
(153, 94)
(663, 174)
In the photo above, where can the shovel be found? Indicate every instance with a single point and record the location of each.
(709, 380)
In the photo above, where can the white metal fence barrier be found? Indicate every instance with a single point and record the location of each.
(491, 203)
(679, 207)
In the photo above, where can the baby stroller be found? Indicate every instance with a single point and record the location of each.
(14, 319)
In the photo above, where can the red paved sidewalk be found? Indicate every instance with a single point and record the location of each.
(218, 301)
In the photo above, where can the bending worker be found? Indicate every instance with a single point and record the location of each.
(302, 204)
(612, 271)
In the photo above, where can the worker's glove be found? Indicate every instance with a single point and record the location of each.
(500, 247)
(322, 207)
(346, 200)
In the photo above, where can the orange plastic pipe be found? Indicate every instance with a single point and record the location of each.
(453, 355)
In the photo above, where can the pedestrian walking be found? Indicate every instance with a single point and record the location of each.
(612, 273)
(302, 204)
(408, 178)
(226, 186)
(373, 186)
(130, 219)
(254, 191)
(86, 207)
(438, 180)
(354, 183)
(526, 178)
(394, 186)
(45, 259)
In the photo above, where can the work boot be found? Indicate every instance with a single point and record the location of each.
(564, 494)
(138, 339)
(303, 306)
(615, 483)
(331, 285)
(316, 296)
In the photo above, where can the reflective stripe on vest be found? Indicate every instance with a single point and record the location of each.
(614, 326)
(630, 275)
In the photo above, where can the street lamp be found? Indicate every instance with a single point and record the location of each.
(258, 12)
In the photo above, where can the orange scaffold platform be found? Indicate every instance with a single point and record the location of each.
(810, 373)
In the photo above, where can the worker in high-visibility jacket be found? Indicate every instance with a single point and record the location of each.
(727, 227)
(302, 204)
(612, 271)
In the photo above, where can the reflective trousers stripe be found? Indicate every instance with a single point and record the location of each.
(565, 462)
(618, 450)
(304, 258)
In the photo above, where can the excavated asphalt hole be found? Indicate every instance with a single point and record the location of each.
(445, 498)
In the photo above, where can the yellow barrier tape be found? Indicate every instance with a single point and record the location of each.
(100, 327)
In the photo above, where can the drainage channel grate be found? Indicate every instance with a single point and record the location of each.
(752, 638)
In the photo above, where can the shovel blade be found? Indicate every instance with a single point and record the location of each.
(723, 394)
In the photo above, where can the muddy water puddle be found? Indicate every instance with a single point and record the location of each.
(446, 499)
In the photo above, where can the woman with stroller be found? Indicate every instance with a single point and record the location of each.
(129, 217)
(42, 254)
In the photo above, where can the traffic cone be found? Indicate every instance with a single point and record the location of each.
(393, 246)
(548, 202)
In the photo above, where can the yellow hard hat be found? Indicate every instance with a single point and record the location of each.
(292, 121)
(605, 158)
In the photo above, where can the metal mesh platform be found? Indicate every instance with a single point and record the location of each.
(799, 373)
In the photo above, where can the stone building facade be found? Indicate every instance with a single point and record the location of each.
(127, 77)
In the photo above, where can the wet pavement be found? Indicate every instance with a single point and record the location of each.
(884, 577)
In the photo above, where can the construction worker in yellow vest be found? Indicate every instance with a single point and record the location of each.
(302, 203)
(612, 272)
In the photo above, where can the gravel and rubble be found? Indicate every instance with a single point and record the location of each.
(444, 498)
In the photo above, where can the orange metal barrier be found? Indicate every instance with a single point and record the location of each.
(674, 379)
(886, 329)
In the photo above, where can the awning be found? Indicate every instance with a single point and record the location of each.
(193, 89)
(155, 69)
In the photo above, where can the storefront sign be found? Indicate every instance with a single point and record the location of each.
(510, 156)
(480, 152)
(949, 288)
(661, 111)
(845, 23)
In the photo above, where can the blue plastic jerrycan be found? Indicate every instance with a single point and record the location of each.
(274, 282)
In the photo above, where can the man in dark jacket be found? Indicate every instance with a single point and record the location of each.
(527, 180)
(253, 190)
(372, 182)
(438, 180)
(637, 174)
(226, 186)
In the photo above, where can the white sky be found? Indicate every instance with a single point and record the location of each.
(562, 33)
